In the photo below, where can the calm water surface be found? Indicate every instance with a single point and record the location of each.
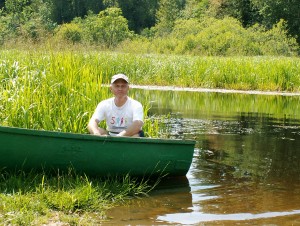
(246, 166)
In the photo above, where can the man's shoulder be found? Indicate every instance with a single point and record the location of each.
(107, 101)
(134, 102)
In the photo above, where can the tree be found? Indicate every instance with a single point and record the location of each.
(16, 6)
(14, 9)
(109, 27)
(25, 18)
(61, 11)
(288, 10)
(168, 12)
(194, 9)
(64, 11)
(139, 13)
(243, 10)
(2, 3)
(71, 32)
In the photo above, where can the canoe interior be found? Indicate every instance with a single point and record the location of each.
(24, 149)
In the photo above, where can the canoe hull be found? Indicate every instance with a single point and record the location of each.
(100, 156)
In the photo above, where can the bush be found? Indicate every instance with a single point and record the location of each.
(184, 28)
(277, 41)
(70, 32)
(109, 27)
(225, 37)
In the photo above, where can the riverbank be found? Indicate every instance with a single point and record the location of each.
(206, 90)
(62, 199)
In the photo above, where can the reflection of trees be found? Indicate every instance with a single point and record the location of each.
(257, 146)
(228, 193)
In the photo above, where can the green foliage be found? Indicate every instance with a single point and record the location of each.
(243, 10)
(112, 27)
(194, 9)
(166, 15)
(25, 19)
(275, 41)
(71, 32)
(181, 27)
(139, 13)
(273, 11)
(3, 29)
(16, 6)
(55, 76)
(223, 37)
(65, 11)
(109, 27)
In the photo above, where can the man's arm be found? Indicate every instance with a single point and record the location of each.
(133, 129)
(94, 129)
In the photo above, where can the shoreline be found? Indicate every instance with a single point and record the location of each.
(207, 90)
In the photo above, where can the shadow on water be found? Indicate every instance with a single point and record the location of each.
(246, 168)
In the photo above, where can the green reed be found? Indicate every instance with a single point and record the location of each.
(54, 92)
(59, 90)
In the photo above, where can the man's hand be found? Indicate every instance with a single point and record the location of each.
(132, 130)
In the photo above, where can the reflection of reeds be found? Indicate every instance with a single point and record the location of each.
(201, 105)
(59, 90)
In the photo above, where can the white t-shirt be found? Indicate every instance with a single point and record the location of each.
(119, 118)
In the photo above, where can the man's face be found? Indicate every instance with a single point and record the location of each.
(119, 88)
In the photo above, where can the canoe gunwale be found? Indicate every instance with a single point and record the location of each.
(66, 135)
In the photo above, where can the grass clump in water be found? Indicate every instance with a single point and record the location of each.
(41, 198)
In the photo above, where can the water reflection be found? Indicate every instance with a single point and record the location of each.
(210, 105)
(262, 147)
(220, 198)
(171, 196)
(246, 168)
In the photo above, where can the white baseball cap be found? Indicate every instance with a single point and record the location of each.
(119, 76)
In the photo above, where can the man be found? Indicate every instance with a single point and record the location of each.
(124, 116)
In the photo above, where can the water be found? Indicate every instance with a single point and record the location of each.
(246, 167)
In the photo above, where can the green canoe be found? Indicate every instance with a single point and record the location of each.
(27, 149)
